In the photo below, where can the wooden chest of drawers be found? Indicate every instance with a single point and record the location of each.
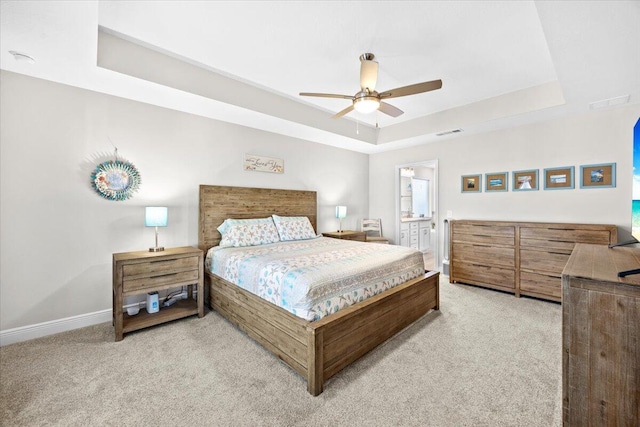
(483, 254)
(526, 258)
(601, 337)
(142, 272)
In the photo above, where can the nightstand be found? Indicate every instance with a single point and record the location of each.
(347, 235)
(142, 272)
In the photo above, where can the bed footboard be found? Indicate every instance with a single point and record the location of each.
(349, 334)
(318, 350)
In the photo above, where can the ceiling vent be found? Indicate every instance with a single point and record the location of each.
(611, 102)
(449, 132)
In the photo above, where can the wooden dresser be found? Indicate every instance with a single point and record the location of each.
(601, 337)
(525, 258)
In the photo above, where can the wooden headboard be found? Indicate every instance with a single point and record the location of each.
(218, 203)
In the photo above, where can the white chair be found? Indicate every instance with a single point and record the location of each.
(373, 231)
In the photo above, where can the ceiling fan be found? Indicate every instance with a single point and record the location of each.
(367, 99)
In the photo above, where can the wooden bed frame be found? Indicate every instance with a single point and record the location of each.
(316, 350)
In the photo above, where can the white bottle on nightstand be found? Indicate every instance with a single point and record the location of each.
(153, 305)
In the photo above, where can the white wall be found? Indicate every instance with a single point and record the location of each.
(58, 235)
(596, 137)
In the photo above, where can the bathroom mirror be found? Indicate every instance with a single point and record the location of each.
(420, 198)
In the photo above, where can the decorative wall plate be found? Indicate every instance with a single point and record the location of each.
(115, 180)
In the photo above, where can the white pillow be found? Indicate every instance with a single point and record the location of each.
(294, 227)
(248, 232)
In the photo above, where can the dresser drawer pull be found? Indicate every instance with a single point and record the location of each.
(161, 260)
(163, 275)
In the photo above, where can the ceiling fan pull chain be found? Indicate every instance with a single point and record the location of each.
(357, 127)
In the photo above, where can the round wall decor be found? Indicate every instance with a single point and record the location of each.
(115, 179)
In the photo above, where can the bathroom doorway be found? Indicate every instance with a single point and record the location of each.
(417, 209)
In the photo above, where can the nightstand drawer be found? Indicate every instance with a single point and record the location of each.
(357, 237)
(360, 236)
(152, 268)
(159, 279)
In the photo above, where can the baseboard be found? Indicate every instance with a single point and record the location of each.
(24, 333)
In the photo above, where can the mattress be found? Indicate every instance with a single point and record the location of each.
(316, 277)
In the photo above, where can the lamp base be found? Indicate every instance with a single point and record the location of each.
(156, 249)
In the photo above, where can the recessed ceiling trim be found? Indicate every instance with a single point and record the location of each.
(140, 61)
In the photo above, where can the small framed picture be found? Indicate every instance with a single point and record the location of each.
(526, 180)
(497, 181)
(598, 176)
(559, 178)
(472, 183)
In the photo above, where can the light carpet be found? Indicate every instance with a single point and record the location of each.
(485, 359)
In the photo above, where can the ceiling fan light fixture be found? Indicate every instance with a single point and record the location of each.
(368, 100)
(366, 104)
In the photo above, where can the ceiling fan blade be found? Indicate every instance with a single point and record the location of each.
(390, 109)
(343, 112)
(326, 95)
(368, 73)
(412, 89)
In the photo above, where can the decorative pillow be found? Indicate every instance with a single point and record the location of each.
(294, 227)
(248, 232)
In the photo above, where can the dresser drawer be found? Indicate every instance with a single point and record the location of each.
(541, 284)
(547, 245)
(601, 237)
(487, 234)
(151, 268)
(484, 275)
(485, 255)
(485, 239)
(159, 279)
(549, 262)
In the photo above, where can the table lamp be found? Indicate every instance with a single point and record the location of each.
(341, 213)
(155, 216)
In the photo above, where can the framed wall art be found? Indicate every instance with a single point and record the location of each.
(471, 183)
(497, 181)
(598, 176)
(559, 178)
(526, 180)
(263, 164)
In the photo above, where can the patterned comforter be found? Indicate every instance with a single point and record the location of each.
(316, 277)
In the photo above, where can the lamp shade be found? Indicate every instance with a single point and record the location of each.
(366, 105)
(155, 216)
(341, 212)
